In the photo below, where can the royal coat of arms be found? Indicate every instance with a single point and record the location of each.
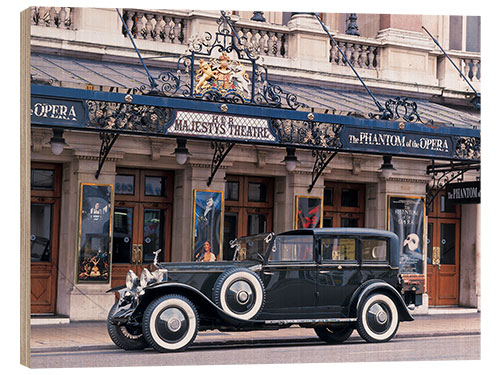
(222, 77)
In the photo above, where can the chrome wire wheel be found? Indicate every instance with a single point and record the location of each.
(170, 323)
(378, 318)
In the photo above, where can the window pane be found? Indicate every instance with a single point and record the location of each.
(338, 248)
(256, 224)
(349, 198)
(41, 229)
(450, 207)
(347, 222)
(293, 248)
(373, 250)
(473, 37)
(447, 244)
(232, 191)
(124, 184)
(152, 234)
(430, 228)
(42, 179)
(230, 233)
(328, 196)
(257, 192)
(155, 186)
(327, 222)
(122, 234)
(456, 33)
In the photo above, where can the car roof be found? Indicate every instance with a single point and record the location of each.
(341, 231)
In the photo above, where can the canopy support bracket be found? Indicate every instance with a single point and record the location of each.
(323, 158)
(221, 150)
(107, 142)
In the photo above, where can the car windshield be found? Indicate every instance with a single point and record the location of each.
(251, 247)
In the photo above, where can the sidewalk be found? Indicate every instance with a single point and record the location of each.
(93, 335)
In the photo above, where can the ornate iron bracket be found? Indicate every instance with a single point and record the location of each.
(443, 174)
(107, 142)
(220, 152)
(323, 158)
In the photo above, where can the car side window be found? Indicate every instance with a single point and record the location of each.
(338, 249)
(293, 248)
(374, 250)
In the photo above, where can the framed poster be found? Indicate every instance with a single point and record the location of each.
(95, 233)
(406, 218)
(308, 212)
(207, 225)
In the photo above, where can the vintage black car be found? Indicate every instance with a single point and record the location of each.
(333, 280)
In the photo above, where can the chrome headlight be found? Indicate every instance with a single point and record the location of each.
(131, 281)
(147, 278)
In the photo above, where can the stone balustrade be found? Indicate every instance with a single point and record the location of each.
(360, 54)
(268, 41)
(58, 17)
(156, 26)
(471, 68)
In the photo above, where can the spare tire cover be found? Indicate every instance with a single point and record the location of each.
(240, 293)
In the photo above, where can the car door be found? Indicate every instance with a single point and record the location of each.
(289, 277)
(338, 274)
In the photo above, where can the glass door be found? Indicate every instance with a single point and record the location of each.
(142, 220)
(44, 236)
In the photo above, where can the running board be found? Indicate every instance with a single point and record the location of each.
(302, 321)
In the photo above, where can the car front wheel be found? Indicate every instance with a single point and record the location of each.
(125, 337)
(170, 323)
(334, 334)
(378, 318)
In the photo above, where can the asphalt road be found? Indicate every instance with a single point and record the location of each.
(466, 347)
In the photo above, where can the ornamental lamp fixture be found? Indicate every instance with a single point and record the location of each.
(57, 142)
(290, 159)
(181, 152)
(387, 168)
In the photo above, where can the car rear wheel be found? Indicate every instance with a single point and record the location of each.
(378, 318)
(170, 323)
(125, 337)
(240, 293)
(334, 334)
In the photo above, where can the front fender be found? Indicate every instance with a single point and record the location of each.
(195, 296)
(380, 286)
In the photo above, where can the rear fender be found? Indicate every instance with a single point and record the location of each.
(379, 286)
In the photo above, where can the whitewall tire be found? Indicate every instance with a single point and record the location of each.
(170, 323)
(378, 318)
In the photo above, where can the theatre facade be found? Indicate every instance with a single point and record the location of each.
(178, 131)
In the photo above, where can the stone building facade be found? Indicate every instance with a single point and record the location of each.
(88, 49)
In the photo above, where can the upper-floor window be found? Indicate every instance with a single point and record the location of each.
(465, 33)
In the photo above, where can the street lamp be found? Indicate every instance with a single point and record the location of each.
(181, 152)
(387, 168)
(290, 159)
(57, 142)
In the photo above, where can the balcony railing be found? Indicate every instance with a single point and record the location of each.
(58, 17)
(472, 69)
(360, 55)
(156, 26)
(270, 41)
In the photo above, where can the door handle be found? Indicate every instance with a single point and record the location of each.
(436, 260)
(139, 254)
(133, 260)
